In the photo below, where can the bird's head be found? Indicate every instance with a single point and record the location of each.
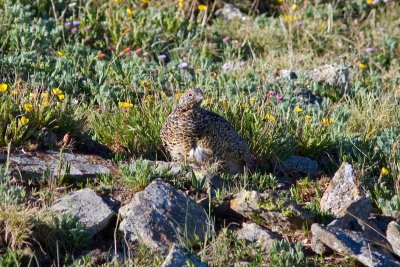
(192, 98)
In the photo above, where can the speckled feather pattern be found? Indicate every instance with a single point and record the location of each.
(203, 137)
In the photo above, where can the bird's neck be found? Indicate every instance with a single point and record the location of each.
(182, 109)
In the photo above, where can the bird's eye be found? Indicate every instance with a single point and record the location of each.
(190, 95)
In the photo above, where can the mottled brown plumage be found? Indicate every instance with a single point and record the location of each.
(203, 137)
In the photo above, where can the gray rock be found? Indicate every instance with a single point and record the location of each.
(270, 211)
(32, 165)
(179, 256)
(300, 164)
(351, 243)
(332, 74)
(255, 234)
(229, 12)
(343, 197)
(369, 229)
(87, 207)
(373, 229)
(161, 216)
(393, 236)
(318, 247)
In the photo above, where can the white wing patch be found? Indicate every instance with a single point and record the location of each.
(199, 155)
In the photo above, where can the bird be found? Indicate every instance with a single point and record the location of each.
(204, 138)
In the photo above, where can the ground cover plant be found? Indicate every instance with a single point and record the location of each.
(111, 72)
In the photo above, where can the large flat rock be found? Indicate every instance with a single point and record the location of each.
(87, 207)
(351, 243)
(161, 216)
(33, 164)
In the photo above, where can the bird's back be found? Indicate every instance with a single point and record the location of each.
(221, 137)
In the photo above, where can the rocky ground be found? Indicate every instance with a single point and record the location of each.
(166, 219)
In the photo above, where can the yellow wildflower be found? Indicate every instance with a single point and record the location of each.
(59, 54)
(369, 2)
(253, 100)
(58, 104)
(225, 104)
(125, 105)
(181, 4)
(145, 1)
(294, 7)
(14, 92)
(298, 110)
(57, 91)
(270, 117)
(117, 1)
(61, 97)
(362, 65)
(32, 95)
(28, 107)
(145, 84)
(44, 95)
(129, 11)
(288, 18)
(280, 1)
(3, 87)
(45, 103)
(178, 95)
(384, 171)
(328, 121)
(201, 7)
(213, 75)
(308, 117)
(24, 120)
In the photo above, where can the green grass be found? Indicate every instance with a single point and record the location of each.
(116, 91)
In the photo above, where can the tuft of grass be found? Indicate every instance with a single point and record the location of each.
(11, 258)
(226, 250)
(132, 130)
(17, 226)
(264, 181)
(282, 254)
(66, 231)
(137, 175)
